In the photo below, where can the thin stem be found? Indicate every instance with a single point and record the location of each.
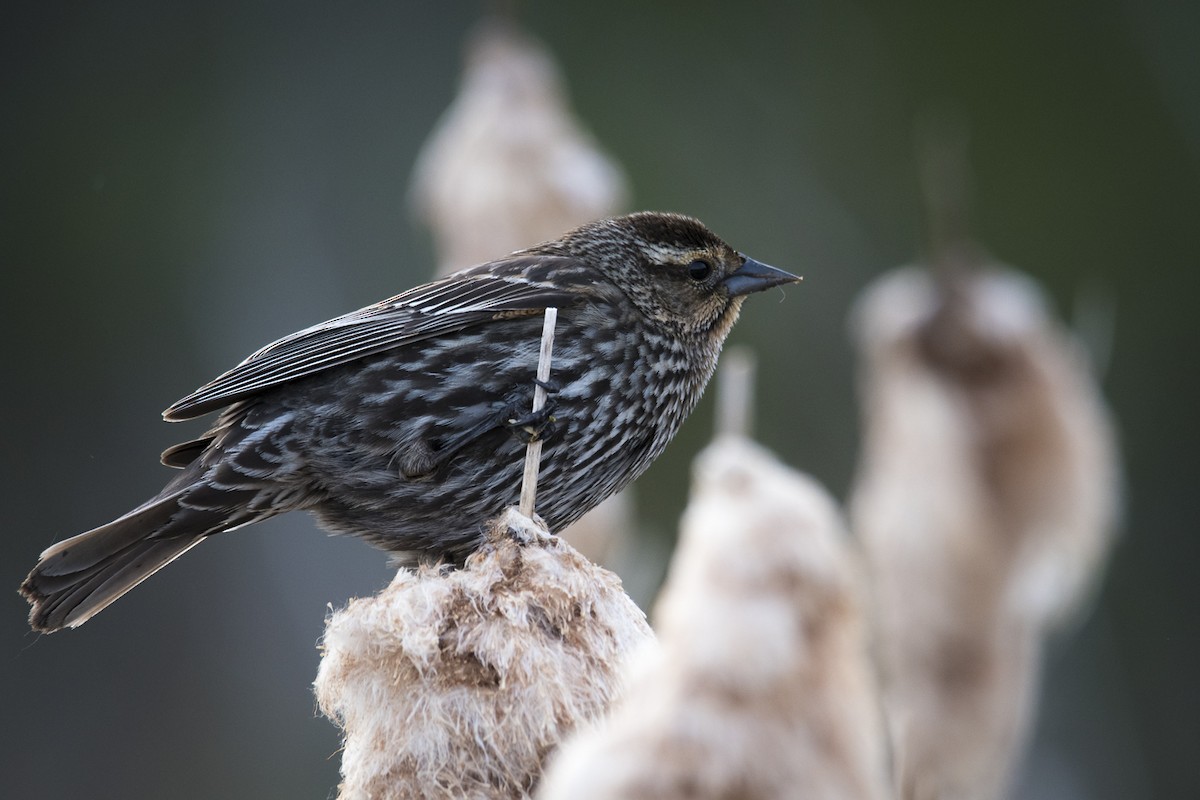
(533, 451)
(735, 392)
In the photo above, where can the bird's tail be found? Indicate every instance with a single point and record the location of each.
(79, 577)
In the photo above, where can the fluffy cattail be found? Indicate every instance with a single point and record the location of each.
(984, 504)
(458, 683)
(509, 165)
(761, 688)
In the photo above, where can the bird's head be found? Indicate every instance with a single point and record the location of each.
(676, 271)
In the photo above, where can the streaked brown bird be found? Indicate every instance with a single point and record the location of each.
(405, 422)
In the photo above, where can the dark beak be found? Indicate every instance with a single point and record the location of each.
(754, 276)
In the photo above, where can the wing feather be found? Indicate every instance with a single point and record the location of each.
(462, 300)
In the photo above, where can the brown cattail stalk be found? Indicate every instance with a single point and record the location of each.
(459, 682)
(762, 687)
(984, 504)
(509, 165)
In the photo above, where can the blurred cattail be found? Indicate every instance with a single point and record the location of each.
(458, 683)
(761, 687)
(509, 166)
(985, 499)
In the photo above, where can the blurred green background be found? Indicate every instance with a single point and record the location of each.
(183, 182)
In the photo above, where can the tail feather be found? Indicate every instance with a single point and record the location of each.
(86, 549)
(78, 577)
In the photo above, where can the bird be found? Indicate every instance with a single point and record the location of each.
(405, 423)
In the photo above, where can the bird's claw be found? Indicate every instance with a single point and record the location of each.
(529, 426)
(532, 427)
(550, 385)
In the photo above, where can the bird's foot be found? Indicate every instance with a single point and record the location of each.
(529, 426)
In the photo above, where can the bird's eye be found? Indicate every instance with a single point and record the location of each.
(699, 270)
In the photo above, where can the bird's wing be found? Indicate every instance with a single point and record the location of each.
(493, 291)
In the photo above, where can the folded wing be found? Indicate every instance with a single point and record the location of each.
(492, 291)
